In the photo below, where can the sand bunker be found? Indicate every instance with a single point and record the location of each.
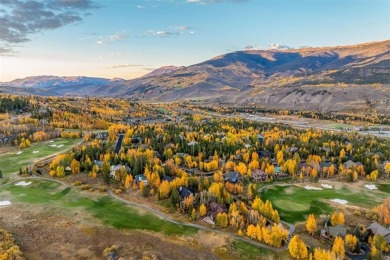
(339, 201)
(51, 141)
(53, 145)
(311, 188)
(371, 186)
(35, 151)
(5, 203)
(327, 186)
(23, 183)
(19, 152)
(60, 145)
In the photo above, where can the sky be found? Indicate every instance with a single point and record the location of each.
(129, 38)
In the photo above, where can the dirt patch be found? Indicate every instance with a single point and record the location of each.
(44, 235)
(8, 149)
(289, 190)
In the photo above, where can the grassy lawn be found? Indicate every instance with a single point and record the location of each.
(102, 207)
(383, 187)
(337, 126)
(249, 249)
(294, 203)
(11, 162)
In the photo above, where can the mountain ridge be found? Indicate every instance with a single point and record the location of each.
(278, 78)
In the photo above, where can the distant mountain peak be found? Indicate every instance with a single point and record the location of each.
(162, 70)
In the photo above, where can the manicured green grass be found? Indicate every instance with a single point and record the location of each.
(290, 205)
(12, 162)
(296, 203)
(249, 249)
(104, 208)
(383, 187)
(337, 125)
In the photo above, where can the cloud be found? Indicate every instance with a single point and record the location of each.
(111, 38)
(162, 34)
(79, 4)
(250, 47)
(214, 1)
(277, 46)
(6, 51)
(178, 30)
(183, 28)
(20, 19)
(140, 6)
(124, 66)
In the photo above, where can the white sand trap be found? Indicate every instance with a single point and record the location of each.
(339, 201)
(60, 145)
(35, 151)
(19, 152)
(53, 145)
(371, 186)
(311, 188)
(5, 203)
(23, 183)
(327, 186)
(51, 141)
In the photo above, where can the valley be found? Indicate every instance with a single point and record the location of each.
(287, 167)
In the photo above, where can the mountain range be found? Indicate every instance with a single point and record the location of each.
(328, 78)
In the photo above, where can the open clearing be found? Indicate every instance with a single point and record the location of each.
(12, 161)
(101, 207)
(294, 203)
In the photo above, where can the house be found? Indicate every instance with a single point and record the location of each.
(102, 136)
(215, 209)
(144, 146)
(231, 177)
(118, 167)
(170, 145)
(184, 192)
(325, 164)
(378, 229)
(167, 178)
(278, 174)
(259, 176)
(264, 154)
(119, 143)
(41, 171)
(350, 164)
(136, 140)
(192, 143)
(157, 154)
(260, 138)
(140, 178)
(98, 163)
(330, 232)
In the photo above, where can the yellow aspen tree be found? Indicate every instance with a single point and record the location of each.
(338, 247)
(297, 248)
(128, 180)
(202, 210)
(351, 242)
(311, 225)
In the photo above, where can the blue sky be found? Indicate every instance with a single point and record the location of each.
(128, 38)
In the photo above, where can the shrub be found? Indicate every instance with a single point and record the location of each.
(77, 183)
